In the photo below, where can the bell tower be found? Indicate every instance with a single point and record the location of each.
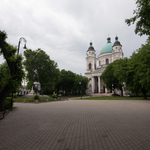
(90, 59)
(117, 52)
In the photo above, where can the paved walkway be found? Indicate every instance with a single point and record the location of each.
(77, 125)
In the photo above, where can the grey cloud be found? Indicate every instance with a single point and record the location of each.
(64, 28)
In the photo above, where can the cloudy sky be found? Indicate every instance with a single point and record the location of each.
(64, 28)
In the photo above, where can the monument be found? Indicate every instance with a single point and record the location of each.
(36, 84)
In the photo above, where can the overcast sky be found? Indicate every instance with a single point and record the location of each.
(64, 28)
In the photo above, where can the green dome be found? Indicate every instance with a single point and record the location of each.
(107, 48)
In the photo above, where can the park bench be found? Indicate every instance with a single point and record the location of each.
(2, 113)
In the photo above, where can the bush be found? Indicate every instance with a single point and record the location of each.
(8, 103)
(15, 96)
(54, 96)
(36, 97)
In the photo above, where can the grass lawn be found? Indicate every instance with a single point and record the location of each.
(113, 98)
(30, 100)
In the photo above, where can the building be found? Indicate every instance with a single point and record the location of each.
(96, 65)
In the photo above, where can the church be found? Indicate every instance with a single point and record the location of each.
(95, 65)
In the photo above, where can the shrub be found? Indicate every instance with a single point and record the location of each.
(36, 97)
(15, 96)
(8, 103)
(54, 96)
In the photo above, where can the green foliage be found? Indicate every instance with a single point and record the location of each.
(30, 100)
(11, 72)
(69, 83)
(54, 96)
(36, 97)
(139, 70)
(141, 17)
(4, 75)
(15, 95)
(113, 98)
(135, 72)
(47, 70)
(66, 81)
(8, 103)
(114, 75)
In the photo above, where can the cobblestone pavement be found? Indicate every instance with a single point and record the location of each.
(77, 125)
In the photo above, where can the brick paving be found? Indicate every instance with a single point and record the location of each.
(77, 125)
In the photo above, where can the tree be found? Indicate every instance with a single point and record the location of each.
(67, 81)
(14, 62)
(109, 79)
(120, 69)
(4, 74)
(115, 75)
(80, 85)
(142, 17)
(84, 84)
(47, 70)
(138, 75)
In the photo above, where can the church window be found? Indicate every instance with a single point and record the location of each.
(107, 61)
(90, 66)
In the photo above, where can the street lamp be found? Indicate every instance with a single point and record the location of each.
(81, 85)
(25, 41)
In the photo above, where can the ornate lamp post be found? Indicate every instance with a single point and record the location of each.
(81, 84)
(25, 41)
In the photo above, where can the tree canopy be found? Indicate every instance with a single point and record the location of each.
(138, 75)
(135, 72)
(13, 67)
(141, 17)
(71, 84)
(114, 75)
(38, 60)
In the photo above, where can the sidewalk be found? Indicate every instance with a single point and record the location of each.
(77, 125)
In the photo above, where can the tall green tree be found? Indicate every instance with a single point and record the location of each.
(71, 83)
(84, 84)
(114, 75)
(67, 81)
(80, 85)
(109, 79)
(4, 74)
(141, 17)
(14, 63)
(138, 75)
(47, 70)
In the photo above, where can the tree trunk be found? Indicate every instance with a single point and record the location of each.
(3, 95)
(144, 93)
(121, 91)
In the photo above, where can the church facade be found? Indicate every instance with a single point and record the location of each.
(95, 65)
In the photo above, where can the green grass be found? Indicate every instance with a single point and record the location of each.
(30, 100)
(113, 98)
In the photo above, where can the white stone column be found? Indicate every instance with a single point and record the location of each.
(105, 90)
(99, 84)
(93, 64)
(93, 84)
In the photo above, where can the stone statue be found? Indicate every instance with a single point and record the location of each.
(36, 84)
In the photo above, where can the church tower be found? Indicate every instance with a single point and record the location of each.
(117, 52)
(90, 59)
